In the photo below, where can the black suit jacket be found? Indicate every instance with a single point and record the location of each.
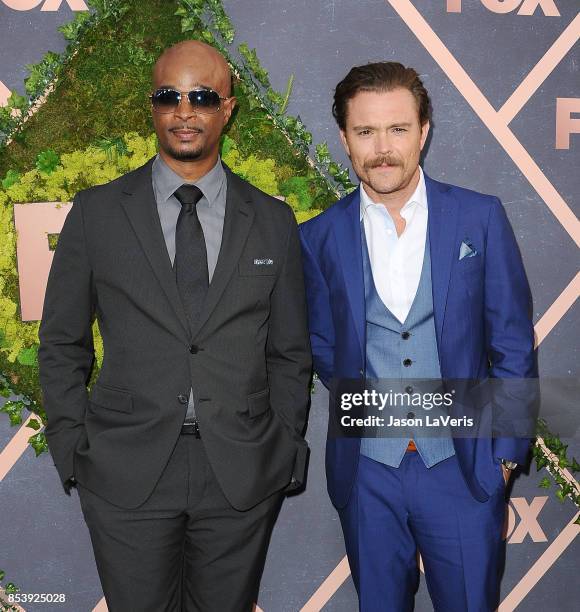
(248, 359)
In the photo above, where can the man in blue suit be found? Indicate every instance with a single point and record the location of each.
(409, 278)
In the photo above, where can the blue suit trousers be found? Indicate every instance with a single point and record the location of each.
(393, 513)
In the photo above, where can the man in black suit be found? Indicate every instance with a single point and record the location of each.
(193, 430)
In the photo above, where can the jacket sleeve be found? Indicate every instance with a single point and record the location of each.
(66, 350)
(319, 314)
(510, 338)
(288, 357)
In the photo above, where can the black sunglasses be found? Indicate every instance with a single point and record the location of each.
(205, 101)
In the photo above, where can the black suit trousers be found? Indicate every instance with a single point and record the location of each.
(185, 548)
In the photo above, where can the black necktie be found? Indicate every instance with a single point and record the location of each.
(190, 253)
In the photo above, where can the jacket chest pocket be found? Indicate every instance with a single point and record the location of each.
(258, 267)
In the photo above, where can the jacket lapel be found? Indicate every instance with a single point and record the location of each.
(348, 241)
(138, 201)
(238, 220)
(442, 227)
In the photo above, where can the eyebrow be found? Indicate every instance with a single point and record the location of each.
(374, 127)
(197, 86)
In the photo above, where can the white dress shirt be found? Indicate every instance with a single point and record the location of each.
(396, 261)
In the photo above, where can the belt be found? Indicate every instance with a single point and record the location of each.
(411, 446)
(190, 428)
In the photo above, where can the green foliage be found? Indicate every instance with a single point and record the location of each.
(221, 20)
(10, 179)
(34, 424)
(72, 30)
(554, 461)
(253, 64)
(17, 102)
(334, 169)
(108, 9)
(28, 356)
(104, 80)
(14, 408)
(38, 443)
(113, 147)
(9, 589)
(47, 161)
(41, 75)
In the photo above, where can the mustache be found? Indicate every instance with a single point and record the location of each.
(375, 162)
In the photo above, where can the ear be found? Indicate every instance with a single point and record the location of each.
(424, 132)
(229, 106)
(344, 142)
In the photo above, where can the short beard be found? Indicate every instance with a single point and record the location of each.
(185, 155)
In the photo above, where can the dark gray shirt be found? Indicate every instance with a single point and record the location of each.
(211, 210)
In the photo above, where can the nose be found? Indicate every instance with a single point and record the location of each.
(382, 143)
(184, 109)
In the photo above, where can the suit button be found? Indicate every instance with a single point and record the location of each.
(183, 399)
(405, 335)
(407, 362)
(411, 415)
(409, 390)
(193, 349)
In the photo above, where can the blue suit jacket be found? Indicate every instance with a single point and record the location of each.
(482, 310)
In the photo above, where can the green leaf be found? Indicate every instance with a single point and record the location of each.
(38, 443)
(221, 21)
(113, 147)
(274, 97)
(13, 409)
(253, 64)
(322, 154)
(2, 574)
(28, 356)
(227, 145)
(47, 161)
(11, 588)
(41, 74)
(254, 103)
(17, 101)
(189, 24)
(71, 30)
(11, 178)
(34, 424)
(575, 467)
(545, 483)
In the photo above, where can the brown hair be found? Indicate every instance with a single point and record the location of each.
(379, 77)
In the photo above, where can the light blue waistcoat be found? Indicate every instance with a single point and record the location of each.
(386, 350)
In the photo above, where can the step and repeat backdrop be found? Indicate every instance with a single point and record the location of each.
(504, 77)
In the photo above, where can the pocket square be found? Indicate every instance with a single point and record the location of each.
(467, 250)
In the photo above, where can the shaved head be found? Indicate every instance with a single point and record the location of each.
(193, 54)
